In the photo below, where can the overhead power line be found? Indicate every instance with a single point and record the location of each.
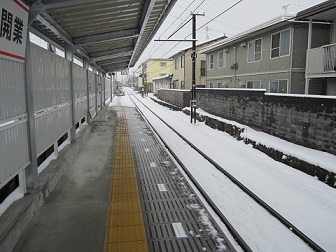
(179, 28)
(187, 17)
(220, 14)
(170, 26)
(181, 14)
(232, 6)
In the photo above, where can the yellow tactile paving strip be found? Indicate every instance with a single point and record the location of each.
(125, 230)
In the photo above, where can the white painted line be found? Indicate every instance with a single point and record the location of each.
(146, 150)
(143, 140)
(152, 164)
(162, 187)
(179, 230)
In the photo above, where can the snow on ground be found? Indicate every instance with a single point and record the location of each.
(315, 157)
(306, 202)
(14, 196)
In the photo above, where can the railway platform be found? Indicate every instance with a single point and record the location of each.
(123, 192)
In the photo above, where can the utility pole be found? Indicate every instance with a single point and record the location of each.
(193, 70)
(193, 66)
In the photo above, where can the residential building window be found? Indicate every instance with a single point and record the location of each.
(280, 44)
(220, 85)
(182, 61)
(163, 64)
(253, 84)
(182, 85)
(279, 86)
(176, 63)
(210, 61)
(221, 59)
(211, 85)
(203, 67)
(254, 50)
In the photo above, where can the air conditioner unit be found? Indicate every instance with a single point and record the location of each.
(244, 44)
(226, 50)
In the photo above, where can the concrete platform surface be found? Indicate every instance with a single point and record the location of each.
(73, 217)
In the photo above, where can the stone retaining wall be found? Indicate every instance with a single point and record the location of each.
(320, 173)
(309, 121)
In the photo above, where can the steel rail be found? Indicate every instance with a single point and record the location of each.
(233, 231)
(262, 203)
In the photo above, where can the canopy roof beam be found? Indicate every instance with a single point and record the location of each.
(97, 38)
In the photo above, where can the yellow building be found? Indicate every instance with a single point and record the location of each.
(153, 68)
(182, 67)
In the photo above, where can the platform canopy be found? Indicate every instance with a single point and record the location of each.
(110, 34)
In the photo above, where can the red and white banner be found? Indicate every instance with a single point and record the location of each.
(13, 29)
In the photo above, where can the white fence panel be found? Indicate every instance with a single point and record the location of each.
(79, 80)
(62, 80)
(51, 125)
(107, 85)
(43, 75)
(99, 92)
(92, 81)
(107, 88)
(52, 105)
(92, 99)
(14, 154)
(92, 104)
(45, 131)
(51, 78)
(63, 122)
(12, 92)
(80, 108)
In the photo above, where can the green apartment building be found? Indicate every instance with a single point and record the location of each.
(271, 56)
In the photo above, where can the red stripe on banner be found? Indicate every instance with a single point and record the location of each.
(21, 5)
(12, 55)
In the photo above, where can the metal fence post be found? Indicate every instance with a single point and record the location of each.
(69, 56)
(31, 170)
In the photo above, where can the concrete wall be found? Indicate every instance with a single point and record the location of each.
(308, 121)
(179, 98)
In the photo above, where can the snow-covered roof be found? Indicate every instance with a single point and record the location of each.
(242, 35)
(210, 41)
(167, 76)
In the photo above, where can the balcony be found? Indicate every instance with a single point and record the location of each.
(321, 62)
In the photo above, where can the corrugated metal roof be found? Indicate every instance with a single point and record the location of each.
(112, 34)
(325, 11)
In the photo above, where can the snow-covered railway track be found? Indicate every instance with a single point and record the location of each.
(257, 199)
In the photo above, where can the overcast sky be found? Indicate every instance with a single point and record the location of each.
(244, 15)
